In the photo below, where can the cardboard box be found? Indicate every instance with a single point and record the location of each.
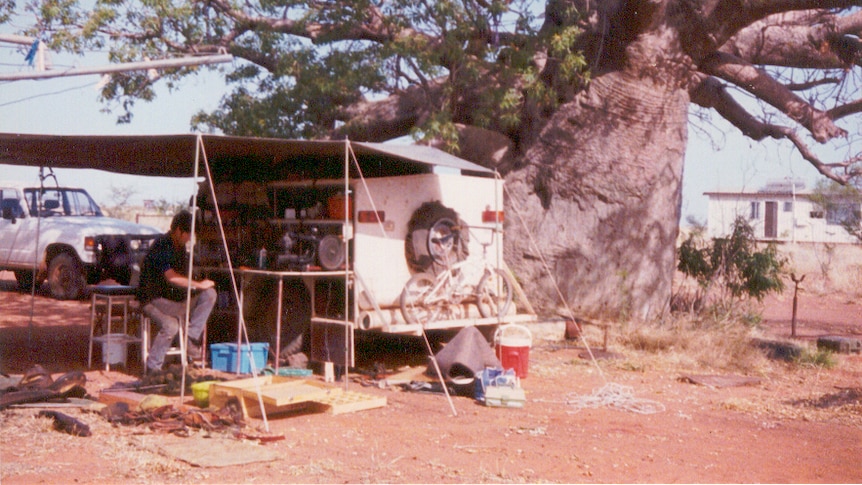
(224, 357)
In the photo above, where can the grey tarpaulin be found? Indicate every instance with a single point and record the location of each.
(464, 356)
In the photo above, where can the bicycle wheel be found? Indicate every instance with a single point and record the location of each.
(494, 293)
(417, 302)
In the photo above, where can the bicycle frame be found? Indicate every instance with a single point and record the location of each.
(428, 298)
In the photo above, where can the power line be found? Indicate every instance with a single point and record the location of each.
(28, 98)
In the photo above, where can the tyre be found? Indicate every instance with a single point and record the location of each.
(430, 241)
(66, 277)
(295, 321)
(25, 279)
(494, 293)
(416, 306)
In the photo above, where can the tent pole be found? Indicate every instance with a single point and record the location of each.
(242, 330)
(345, 232)
(185, 332)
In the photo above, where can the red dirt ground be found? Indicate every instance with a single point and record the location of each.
(799, 424)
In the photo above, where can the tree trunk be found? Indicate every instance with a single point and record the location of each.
(594, 211)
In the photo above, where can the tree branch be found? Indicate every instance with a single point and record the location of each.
(760, 84)
(852, 108)
(710, 93)
(391, 117)
(811, 39)
(373, 29)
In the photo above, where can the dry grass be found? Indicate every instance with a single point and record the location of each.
(828, 268)
(686, 343)
(721, 336)
(120, 454)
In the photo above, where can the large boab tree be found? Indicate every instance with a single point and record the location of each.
(582, 105)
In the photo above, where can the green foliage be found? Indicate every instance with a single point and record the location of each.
(303, 65)
(733, 265)
(7, 7)
(841, 203)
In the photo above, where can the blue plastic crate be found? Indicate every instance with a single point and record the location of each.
(224, 356)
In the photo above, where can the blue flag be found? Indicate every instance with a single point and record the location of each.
(31, 56)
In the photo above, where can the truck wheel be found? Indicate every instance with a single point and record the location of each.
(428, 226)
(66, 277)
(25, 279)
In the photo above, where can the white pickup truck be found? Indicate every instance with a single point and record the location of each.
(77, 244)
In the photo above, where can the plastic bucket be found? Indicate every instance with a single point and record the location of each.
(512, 345)
(114, 349)
(201, 393)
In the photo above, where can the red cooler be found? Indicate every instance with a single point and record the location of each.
(512, 345)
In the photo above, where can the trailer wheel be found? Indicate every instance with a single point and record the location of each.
(66, 277)
(430, 241)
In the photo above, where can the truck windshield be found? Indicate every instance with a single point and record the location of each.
(61, 202)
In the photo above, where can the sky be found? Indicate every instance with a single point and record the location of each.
(725, 160)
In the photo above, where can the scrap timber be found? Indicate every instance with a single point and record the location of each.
(281, 394)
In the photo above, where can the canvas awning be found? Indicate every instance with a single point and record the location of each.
(230, 157)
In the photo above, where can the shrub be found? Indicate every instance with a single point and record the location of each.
(730, 269)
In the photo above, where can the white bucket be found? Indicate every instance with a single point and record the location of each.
(115, 348)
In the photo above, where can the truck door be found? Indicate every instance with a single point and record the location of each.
(11, 221)
(24, 245)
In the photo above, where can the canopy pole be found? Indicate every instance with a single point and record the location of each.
(185, 333)
(243, 330)
(345, 232)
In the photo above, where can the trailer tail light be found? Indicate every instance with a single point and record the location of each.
(371, 216)
(90, 243)
(489, 216)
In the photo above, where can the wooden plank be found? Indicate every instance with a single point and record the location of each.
(350, 401)
(133, 399)
(519, 291)
(284, 393)
(279, 394)
(221, 392)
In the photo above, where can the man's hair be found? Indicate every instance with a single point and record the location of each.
(182, 221)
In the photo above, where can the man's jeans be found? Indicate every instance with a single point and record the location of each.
(169, 315)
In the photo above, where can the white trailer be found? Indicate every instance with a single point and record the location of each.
(313, 241)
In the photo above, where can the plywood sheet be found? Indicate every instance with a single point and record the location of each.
(281, 395)
(719, 381)
(208, 452)
(349, 401)
(285, 393)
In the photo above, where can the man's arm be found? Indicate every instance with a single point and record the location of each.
(182, 281)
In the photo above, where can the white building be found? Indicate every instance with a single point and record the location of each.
(780, 211)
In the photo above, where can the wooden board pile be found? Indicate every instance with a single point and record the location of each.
(280, 394)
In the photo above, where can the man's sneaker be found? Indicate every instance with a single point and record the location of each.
(194, 351)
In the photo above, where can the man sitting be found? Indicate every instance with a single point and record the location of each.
(163, 290)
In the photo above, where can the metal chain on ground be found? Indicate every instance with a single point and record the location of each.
(614, 396)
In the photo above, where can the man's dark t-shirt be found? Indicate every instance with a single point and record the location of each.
(161, 257)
